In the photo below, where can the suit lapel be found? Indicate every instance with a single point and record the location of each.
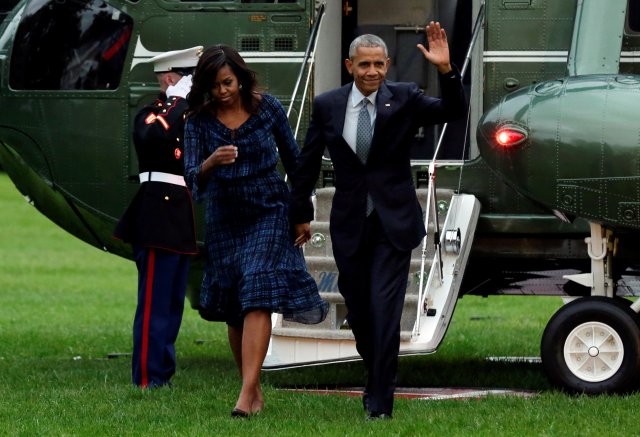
(338, 112)
(384, 107)
(340, 107)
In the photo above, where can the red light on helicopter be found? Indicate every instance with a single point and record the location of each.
(509, 136)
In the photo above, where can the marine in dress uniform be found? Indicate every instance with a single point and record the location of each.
(159, 222)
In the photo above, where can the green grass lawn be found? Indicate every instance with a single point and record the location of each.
(66, 306)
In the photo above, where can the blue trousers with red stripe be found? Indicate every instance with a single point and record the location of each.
(162, 283)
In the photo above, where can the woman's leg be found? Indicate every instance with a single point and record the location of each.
(235, 342)
(255, 341)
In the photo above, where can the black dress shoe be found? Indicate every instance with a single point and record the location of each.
(378, 416)
(155, 385)
(239, 414)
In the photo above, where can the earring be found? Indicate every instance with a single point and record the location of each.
(240, 86)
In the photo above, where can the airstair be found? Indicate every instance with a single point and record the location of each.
(430, 299)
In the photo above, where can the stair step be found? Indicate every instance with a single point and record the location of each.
(324, 198)
(328, 264)
(335, 320)
(337, 298)
(322, 245)
(325, 334)
(323, 269)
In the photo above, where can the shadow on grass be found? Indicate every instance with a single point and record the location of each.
(420, 371)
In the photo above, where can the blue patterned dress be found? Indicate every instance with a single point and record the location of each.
(250, 244)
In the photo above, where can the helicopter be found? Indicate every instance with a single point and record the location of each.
(537, 192)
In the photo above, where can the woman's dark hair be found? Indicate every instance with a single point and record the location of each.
(211, 61)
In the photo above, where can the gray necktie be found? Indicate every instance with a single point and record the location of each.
(364, 133)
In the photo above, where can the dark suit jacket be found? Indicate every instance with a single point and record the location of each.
(401, 108)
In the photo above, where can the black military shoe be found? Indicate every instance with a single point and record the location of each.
(378, 416)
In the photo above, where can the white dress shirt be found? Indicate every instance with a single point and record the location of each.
(354, 104)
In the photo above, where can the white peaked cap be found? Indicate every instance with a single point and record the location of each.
(167, 61)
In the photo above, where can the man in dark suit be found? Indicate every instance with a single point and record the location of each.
(159, 222)
(376, 219)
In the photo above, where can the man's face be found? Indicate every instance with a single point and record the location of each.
(167, 79)
(369, 68)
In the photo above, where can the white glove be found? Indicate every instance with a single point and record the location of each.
(181, 88)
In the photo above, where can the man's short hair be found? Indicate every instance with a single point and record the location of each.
(183, 71)
(367, 40)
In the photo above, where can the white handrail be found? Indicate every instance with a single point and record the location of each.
(430, 209)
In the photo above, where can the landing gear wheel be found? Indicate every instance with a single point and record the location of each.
(592, 345)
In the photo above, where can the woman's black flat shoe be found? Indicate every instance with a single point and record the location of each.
(239, 413)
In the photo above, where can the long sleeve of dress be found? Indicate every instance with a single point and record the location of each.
(193, 157)
(287, 146)
(308, 168)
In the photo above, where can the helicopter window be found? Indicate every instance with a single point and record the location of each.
(634, 15)
(70, 45)
(6, 7)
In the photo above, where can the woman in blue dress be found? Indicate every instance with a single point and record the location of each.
(234, 137)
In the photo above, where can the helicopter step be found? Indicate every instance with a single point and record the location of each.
(336, 318)
(319, 253)
(425, 315)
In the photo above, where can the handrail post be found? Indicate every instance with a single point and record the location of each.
(431, 209)
(310, 46)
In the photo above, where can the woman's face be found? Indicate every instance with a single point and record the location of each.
(226, 89)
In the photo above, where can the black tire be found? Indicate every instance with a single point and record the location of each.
(607, 318)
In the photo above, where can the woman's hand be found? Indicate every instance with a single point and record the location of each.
(303, 233)
(224, 155)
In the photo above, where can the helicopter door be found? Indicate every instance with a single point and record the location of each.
(629, 58)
